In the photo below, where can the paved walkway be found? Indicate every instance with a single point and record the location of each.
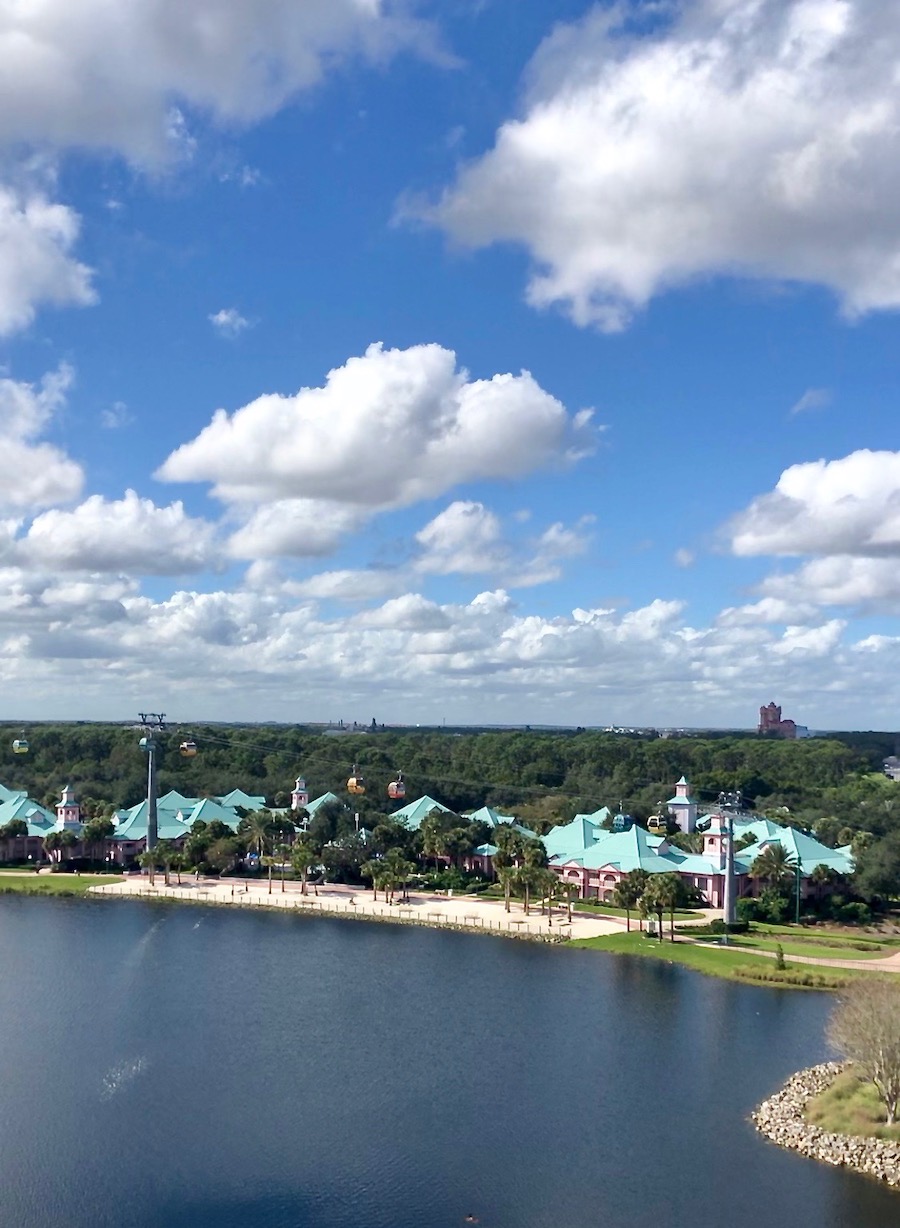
(464, 912)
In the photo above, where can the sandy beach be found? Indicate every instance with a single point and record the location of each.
(421, 908)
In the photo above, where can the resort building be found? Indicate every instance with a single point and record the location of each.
(38, 820)
(606, 857)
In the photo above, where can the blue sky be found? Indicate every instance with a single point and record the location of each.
(553, 353)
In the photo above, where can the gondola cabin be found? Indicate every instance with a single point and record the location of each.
(657, 825)
(188, 749)
(356, 784)
(20, 746)
(397, 789)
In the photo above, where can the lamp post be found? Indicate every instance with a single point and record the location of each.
(797, 911)
(729, 802)
(151, 723)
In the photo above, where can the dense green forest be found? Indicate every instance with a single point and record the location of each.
(832, 784)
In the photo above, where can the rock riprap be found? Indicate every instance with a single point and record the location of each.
(781, 1119)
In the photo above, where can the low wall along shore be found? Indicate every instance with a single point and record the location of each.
(781, 1119)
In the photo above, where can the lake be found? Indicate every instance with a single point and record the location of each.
(184, 1066)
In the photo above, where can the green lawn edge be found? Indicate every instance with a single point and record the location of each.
(729, 963)
(53, 884)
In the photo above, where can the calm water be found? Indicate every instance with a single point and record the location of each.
(180, 1067)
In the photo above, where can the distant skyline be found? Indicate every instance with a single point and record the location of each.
(498, 362)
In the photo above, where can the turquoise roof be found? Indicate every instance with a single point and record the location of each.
(806, 851)
(570, 838)
(37, 818)
(176, 800)
(413, 814)
(625, 851)
(494, 818)
(313, 806)
(247, 801)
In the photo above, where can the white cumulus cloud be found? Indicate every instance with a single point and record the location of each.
(848, 506)
(36, 474)
(466, 537)
(36, 265)
(758, 138)
(129, 534)
(386, 430)
(95, 73)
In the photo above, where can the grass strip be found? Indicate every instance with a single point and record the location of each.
(729, 962)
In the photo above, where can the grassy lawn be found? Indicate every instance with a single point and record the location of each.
(851, 1107)
(732, 963)
(608, 910)
(813, 950)
(52, 884)
(826, 934)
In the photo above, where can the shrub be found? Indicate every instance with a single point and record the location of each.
(741, 926)
(779, 957)
(773, 907)
(855, 913)
(747, 909)
(717, 926)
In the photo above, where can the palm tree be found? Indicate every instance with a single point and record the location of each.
(52, 843)
(549, 885)
(147, 861)
(655, 900)
(670, 890)
(11, 831)
(568, 889)
(302, 859)
(372, 869)
(284, 853)
(399, 869)
(775, 867)
(628, 891)
(163, 854)
(94, 832)
(67, 841)
(178, 862)
(434, 837)
(256, 830)
(270, 863)
(506, 876)
(526, 878)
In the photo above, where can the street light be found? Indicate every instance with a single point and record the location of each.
(151, 723)
(730, 802)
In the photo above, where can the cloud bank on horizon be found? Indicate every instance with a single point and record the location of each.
(493, 514)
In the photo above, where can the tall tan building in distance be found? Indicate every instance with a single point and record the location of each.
(771, 725)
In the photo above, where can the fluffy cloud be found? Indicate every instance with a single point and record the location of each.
(256, 650)
(35, 474)
(36, 265)
(411, 658)
(129, 534)
(294, 528)
(468, 539)
(99, 74)
(386, 430)
(867, 586)
(465, 537)
(750, 137)
(349, 585)
(849, 506)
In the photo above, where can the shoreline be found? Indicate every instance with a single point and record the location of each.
(462, 914)
(781, 1120)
